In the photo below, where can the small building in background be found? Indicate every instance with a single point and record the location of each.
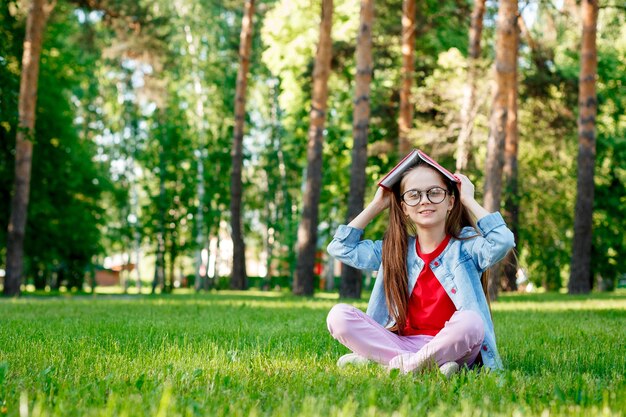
(108, 275)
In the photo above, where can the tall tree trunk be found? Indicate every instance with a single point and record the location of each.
(351, 277)
(159, 267)
(579, 281)
(505, 67)
(329, 273)
(171, 273)
(136, 231)
(508, 281)
(464, 141)
(35, 25)
(405, 119)
(200, 241)
(307, 230)
(238, 279)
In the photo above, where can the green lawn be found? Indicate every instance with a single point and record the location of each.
(262, 354)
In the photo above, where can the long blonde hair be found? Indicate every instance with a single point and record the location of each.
(395, 248)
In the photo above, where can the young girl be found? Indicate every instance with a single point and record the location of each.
(429, 304)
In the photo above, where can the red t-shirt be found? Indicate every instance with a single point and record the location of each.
(429, 304)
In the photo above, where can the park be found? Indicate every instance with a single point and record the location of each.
(189, 188)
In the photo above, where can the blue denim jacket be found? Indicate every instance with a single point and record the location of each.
(458, 268)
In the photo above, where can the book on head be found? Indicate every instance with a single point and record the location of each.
(409, 161)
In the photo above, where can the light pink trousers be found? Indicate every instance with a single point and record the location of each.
(459, 341)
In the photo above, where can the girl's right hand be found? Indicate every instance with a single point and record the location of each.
(381, 199)
(379, 203)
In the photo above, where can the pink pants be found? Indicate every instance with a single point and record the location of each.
(459, 341)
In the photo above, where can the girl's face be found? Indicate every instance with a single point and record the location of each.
(425, 198)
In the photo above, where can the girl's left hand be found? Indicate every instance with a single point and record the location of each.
(466, 189)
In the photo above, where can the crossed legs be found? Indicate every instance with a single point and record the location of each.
(459, 341)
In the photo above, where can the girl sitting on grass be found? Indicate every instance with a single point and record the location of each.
(429, 304)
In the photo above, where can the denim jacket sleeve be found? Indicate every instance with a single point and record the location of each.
(494, 243)
(348, 248)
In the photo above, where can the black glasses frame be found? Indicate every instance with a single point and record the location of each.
(428, 196)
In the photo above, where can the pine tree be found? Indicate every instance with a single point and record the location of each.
(307, 230)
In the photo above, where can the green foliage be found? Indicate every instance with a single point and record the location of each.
(267, 354)
(609, 245)
(9, 94)
(66, 184)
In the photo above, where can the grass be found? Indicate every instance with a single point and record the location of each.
(269, 354)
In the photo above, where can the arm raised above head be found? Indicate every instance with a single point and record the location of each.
(496, 241)
(379, 203)
(348, 248)
(466, 193)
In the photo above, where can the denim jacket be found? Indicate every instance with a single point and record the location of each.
(458, 268)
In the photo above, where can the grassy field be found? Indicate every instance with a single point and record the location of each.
(267, 354)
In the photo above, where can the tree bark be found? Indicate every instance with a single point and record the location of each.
(200, 240)
(35, 25)
(351, 277)
(464, 141)
(136, 232)
(506, 61)
(580, 281)
(238, 279)
(508, 281)
(158, 280)
(405, 119)
(307, 230)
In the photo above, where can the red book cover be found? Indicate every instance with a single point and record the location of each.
(409, 161)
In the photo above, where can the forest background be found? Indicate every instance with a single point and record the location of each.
(136, 132)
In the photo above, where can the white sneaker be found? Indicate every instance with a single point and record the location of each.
(351, 359)
(449, 368)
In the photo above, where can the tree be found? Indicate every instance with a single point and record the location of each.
(37, 16)
(351, 277)
(580, 276)
(469, 108)
(238, 277)
(307, 230)
(405, 119)
(506, 61)
(508, 280)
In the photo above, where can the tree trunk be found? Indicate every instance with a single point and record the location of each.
(136, 228)
(580, 281)
(506, 61)
(137, 248)
(307, 230)
(464, 141)
(405, 119)
(200, 241)
(170, 278)
(329, 273)
(35, 25)
(508, 281)
(351, 278)
(159, 267)
(238, 279)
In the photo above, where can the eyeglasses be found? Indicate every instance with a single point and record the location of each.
(435, 195)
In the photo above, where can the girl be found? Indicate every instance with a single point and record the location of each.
(429, 304)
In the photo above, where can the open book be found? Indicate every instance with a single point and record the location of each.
(407, 162)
